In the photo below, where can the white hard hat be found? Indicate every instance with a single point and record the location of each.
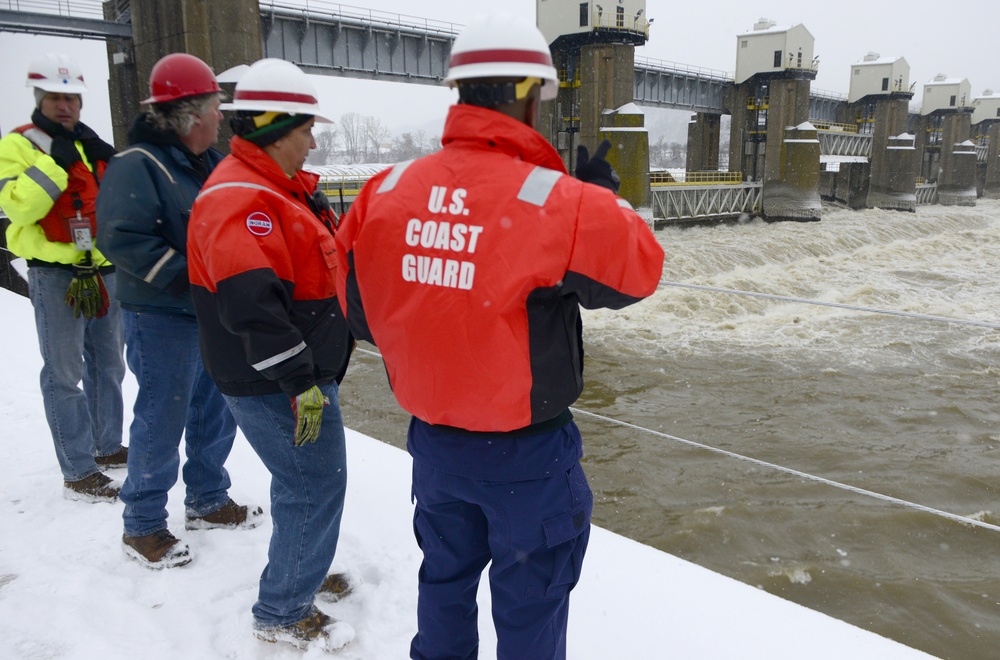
(55, 72)
(502, 45)
(273, 85)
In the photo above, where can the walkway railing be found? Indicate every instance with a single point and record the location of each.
(658, 179)
(835, 127)
(77, 8)
(385, 18)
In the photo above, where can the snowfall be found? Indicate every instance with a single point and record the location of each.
(68, 591)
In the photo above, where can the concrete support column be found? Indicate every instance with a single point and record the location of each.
(927, 159)
(791, 166)
(893, 160)
(558, 121)
(991, 190)
(791, 183)
(957, 178)
(629, 154)
(703, 142)
(745, 155)
(607, 79)
(223, 33)
(606, 93)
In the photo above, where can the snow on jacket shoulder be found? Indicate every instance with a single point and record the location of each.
(143, 209)
(468, 267)
(263, 276)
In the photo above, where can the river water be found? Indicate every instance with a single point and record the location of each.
(900, 406)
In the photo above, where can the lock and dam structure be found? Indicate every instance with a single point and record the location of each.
(790, 147)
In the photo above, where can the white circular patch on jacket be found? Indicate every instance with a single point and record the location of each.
(259, 224)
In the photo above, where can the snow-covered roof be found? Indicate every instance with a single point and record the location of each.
(833, 163)
(945, 81)
(623, 129)
(360, 170)
(630, 109)
(881, 60)
(771, 30)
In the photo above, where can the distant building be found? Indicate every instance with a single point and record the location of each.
(986, 107)
(568, 23)
(771, 48)
(944, 93)
(878, 76)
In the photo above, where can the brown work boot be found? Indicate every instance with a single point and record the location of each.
(334, 588)
(115, 460)
(230, 516)
(95, 488)
(327, 632)
(161, 549)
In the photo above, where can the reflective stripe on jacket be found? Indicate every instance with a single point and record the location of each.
(145, 202)
(467, 268)
(263, 279)
(34, 191)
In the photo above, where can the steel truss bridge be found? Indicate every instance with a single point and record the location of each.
(706, 201)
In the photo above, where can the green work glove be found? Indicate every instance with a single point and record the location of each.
(308, 409)
(87, 294)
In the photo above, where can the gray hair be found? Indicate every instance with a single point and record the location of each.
(179, 116)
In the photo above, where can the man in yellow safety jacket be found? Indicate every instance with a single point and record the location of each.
(50, 170)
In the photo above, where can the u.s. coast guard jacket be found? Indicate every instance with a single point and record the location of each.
(467, 268)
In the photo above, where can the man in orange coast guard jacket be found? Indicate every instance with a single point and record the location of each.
(467, 268)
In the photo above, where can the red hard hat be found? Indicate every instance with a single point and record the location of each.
(180, 75)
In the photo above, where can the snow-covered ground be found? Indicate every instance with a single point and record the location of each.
(67, 591)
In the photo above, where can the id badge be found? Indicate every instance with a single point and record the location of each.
(79, 228)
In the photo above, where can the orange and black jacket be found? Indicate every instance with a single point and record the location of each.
(262, 270)
(468, 268)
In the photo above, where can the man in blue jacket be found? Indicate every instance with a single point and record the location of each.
(143, 210)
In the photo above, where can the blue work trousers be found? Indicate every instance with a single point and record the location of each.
(176, 397)
(308, 485)
(534, 532)
(84, 422)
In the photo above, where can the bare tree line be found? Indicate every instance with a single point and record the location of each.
(365, 139)
(357, 138)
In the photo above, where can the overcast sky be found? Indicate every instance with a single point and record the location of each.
(954, 37)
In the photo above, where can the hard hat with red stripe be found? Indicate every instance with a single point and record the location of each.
(179, 75)
(502, 45)
(273, 85)
(55, 72)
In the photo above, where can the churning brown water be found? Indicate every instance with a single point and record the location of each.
(904, 407)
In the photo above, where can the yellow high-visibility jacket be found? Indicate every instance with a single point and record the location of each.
(30, 185)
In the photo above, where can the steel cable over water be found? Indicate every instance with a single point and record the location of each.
(780, 468)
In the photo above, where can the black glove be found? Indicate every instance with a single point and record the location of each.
(321, 206)
(64, 152)
(596, 170)
(87, 294)
(321, 201)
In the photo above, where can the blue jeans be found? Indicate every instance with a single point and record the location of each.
(308, 485)
(176, 396)
(88, 422)
(534, 532)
